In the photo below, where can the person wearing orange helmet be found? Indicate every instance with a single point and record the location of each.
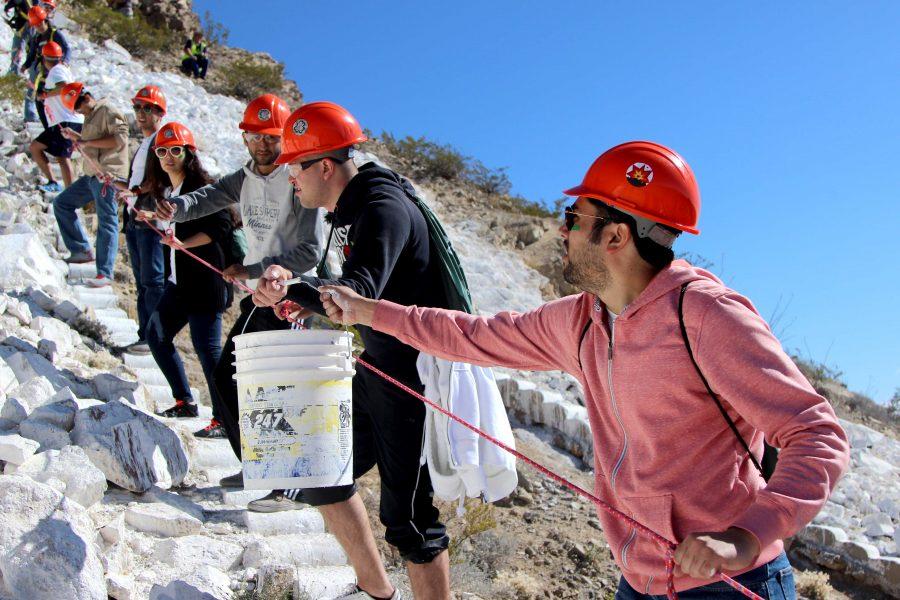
(16, 16)
(43, 33)
(194, 295)
(278, 231)
(144, 247)
(58, 116)
(389, 254)
(103, 141)
(682, 380)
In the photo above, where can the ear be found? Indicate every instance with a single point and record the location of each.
(328, 169)
(620, 236)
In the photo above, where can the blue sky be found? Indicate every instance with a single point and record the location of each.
(787, 112)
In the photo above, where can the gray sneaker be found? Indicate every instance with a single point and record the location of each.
(141, 348)
(361, 595)
(79, 258)
(232, 481)
(274, 502)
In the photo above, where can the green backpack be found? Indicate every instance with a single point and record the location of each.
(453, 278)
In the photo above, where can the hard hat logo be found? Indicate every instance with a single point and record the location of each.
(300, 127)
(264, 114)
(145, 92)
(639, 174)
(169, 134)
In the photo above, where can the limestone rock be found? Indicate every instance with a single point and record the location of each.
(298, 550)
(120, 587)
(46, 544)
(25, 262)
(70, 472)
(27, 366)
(16, 449)
(48, 435)
(26, 398)
(161, 519)
(19, 310)
(206, 583)
(133, 449)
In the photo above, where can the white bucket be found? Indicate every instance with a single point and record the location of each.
(295, 410)
(289, 337)
(283, 351)
(289, 363)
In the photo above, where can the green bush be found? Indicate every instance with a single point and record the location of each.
(246, 78)
(12, 88)
(136, 35)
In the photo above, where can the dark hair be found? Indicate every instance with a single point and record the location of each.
(156, 180)
(657, 256)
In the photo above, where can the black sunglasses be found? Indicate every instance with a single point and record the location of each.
(146, 108)
(569, 216)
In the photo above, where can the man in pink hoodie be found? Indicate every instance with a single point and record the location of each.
(664, 450)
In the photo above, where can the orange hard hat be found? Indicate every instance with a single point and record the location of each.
(70, 93)
(36, 16)
(265, 115)
(645, 179)
(151, 94)
(317, 128)
(175, 134)
(52, 50)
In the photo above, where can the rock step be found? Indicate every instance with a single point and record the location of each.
(299, 550)
(119, 324)
(139, 361)
(126, 338)
(95, 300)
(150, 376)
(113, 313)
(83, 271)
(304, 521)
(216, 454)
(324, 582)
(239, 497)
(161, 395)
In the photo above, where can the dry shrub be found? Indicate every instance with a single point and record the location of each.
(813, 585)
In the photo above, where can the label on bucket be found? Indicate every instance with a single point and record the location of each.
(296, 434)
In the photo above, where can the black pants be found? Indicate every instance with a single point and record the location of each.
(387, 431)
(262, 319)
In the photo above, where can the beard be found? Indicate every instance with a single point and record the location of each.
(586, 271)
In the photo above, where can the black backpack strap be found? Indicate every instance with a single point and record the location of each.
(581, 340)
(687, 344)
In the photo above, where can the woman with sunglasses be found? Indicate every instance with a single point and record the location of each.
(194, 295)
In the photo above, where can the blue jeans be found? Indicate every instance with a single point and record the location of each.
(83, 190)
(148, 265)
(15, 51)
(30, 107)
(773, 581)
(169, 318)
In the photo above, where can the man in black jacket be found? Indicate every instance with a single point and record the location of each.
(388, 255)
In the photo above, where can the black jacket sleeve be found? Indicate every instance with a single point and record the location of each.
(378, 237)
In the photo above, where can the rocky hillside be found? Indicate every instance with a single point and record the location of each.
(130, 502)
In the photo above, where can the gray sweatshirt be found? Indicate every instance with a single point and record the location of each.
(279, 230)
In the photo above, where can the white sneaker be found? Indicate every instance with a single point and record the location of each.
(99, 281)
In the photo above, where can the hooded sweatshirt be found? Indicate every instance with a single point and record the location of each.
(279, 230)
(662, 451)
(388, 255)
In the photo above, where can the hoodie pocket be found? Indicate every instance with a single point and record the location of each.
(641, 555)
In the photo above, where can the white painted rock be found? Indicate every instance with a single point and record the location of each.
(8, 379)
(207, 583)
(16, 449)
(46, 544)
(70, 472)
(162, 519)
(190, 551)
(133, 449)
(307, 520)
(24, 399)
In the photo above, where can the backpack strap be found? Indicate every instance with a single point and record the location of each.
(584, 331)
(687, 344)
